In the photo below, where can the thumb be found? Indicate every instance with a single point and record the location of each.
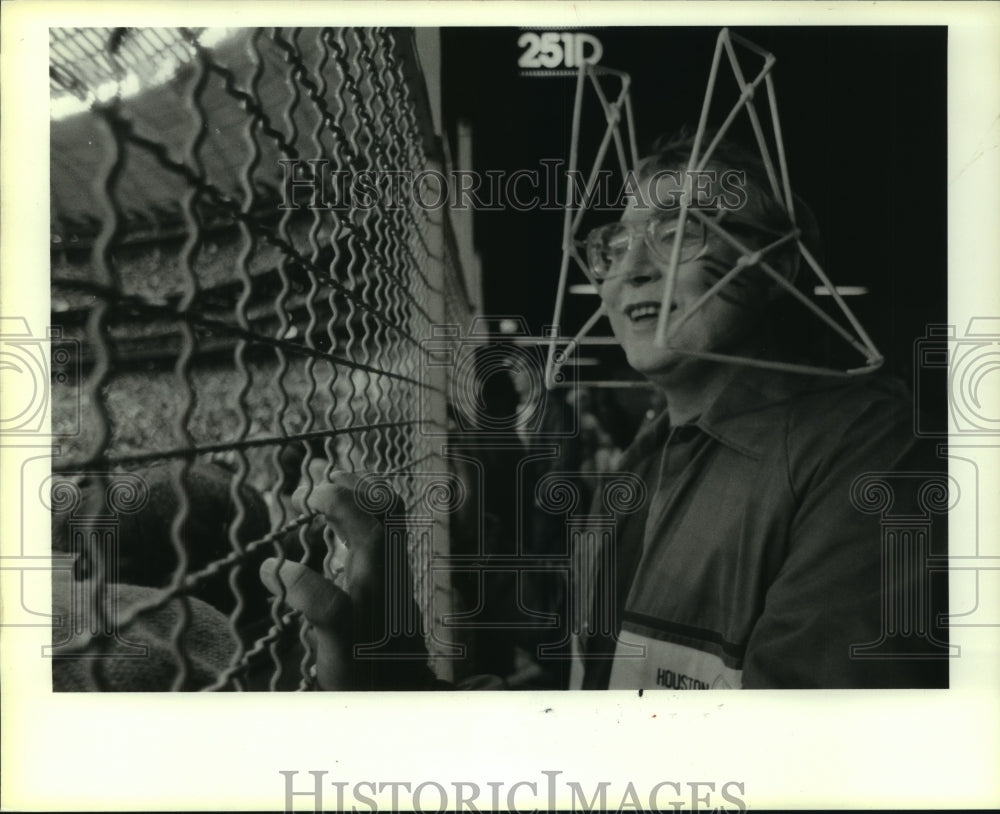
(324, 606)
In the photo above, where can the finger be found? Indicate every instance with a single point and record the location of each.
(302, 497)
(337, 500)
(326, 607)
(318, 599)
(376, 559)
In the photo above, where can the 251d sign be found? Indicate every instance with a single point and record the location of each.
(558, 49)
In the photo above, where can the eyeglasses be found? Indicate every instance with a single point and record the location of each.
(607, 246)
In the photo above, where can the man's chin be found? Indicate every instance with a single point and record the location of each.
(650, 360)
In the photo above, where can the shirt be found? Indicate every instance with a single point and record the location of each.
(751, 563)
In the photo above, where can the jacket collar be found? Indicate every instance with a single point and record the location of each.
(742, 416)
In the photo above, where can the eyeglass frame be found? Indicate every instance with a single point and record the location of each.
(724, 218)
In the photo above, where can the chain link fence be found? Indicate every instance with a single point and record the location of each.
(236, 344)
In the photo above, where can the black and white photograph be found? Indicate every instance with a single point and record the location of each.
(383, 367)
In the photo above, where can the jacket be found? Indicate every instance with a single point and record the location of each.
(756, 561)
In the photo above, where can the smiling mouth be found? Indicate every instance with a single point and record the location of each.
(642, 312)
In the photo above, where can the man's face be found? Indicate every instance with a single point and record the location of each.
(633, 289)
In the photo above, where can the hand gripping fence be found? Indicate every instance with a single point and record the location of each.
(237, 344)
(618, 116)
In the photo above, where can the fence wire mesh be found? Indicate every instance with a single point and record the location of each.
(234, 349)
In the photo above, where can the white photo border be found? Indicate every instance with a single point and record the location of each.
(111, 752)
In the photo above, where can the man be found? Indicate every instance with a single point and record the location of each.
(749, 565)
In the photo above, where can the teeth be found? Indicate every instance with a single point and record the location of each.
(642, 311)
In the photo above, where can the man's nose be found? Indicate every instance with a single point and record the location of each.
(638, 266)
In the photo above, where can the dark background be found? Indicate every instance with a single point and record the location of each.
(863, 112)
